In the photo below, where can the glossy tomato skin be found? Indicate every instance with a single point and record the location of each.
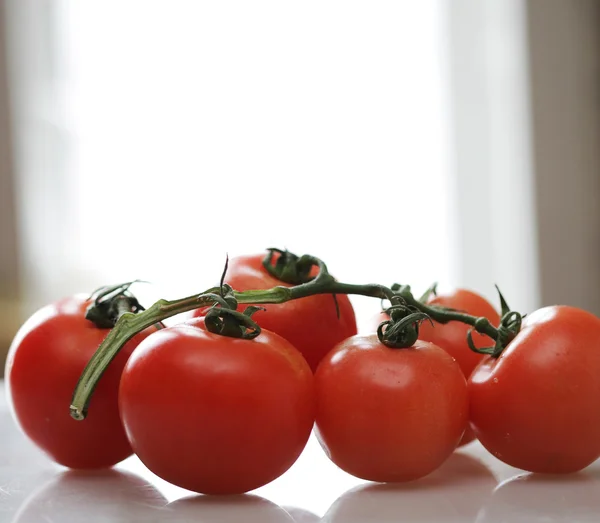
(44, 363)
(310, 324)
(389, 415)
(217, 415)
(537, 406)
(452, 336)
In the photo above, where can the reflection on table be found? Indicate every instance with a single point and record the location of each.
(471, 486)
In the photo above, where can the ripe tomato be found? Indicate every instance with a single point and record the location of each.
(452, 336)
(310, 324)
(389, 414)
(214, 414)
(44, 363)
(537, 406)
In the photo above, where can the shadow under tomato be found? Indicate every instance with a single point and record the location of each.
(92, 496)
(246, 508)
(552, 499)
(455, 492)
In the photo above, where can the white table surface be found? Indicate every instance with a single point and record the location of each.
(471, 487)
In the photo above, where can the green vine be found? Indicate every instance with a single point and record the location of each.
(400, 331)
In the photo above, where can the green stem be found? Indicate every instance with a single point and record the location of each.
(480, 324)
(127, 327)
(130, 324)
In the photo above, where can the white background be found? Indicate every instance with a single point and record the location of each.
(186, 131)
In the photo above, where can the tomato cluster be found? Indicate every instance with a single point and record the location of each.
(222, 415)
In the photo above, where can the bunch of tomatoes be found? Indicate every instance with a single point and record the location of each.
(222, 415)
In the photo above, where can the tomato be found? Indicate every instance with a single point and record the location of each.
(214, 414)
(537, 406)
(310, 324)
(452, 336)
(389, 414)
(44, 363)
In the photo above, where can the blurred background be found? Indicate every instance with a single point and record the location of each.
(450, 141)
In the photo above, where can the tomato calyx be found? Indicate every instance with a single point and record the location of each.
(402, 329)
(510, 323)
(233, 323)
(509, 327)
(224, 319)
(296, 270)
(288, 267)
(109, 303)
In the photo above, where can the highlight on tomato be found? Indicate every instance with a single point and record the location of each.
(536, 406)
(214, 413)
(43, 366)
(452, 336)
(390, 413)
(313, 324)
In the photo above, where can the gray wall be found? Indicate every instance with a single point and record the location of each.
(564, 42)
(9, 285)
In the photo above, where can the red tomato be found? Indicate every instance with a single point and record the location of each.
(213, 414)
(452, 336)
(389, 414)
(537, 406)
(310, 324)
(44, 363)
